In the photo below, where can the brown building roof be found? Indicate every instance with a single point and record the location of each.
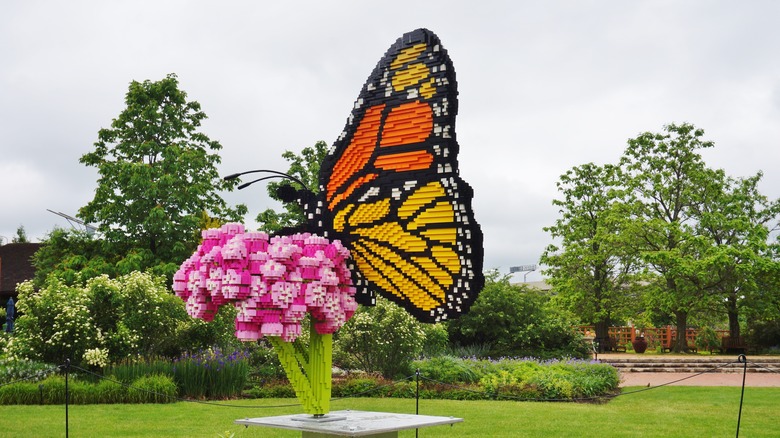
(16, 266)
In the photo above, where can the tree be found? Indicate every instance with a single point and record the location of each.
(667, 181)
(73, 257)
(304, 167)
(21, 236)
(157, 177)
(591, 271)
(737, 219)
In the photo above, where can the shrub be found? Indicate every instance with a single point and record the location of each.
(22, 393)
(275, 389)
(355, 387)
(553, 385)
(365, 386)
(493, 382)
(517, 321)
(503, 384)
(109, 392)
(371, 386)
(128, 370)
(116, 318)
(53, 389)
(707, 338)
(48, 391)
(436, 340)
(592, 380)
(574, 379)
(194, 334)
(381, 339)
(152, 389)
(448, 369)
(404, 389)
(520, 378)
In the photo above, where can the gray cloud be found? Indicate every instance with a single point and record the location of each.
(544, 86)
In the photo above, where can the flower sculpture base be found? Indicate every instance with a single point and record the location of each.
(354, 423)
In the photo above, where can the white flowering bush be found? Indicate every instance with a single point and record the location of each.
(102, 322)
(55, 323)
(150, 314)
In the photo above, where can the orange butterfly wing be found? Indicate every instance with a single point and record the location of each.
(390, 190)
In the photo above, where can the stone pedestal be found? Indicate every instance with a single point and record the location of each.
(350, 423)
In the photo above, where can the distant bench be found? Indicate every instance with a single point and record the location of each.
(730, 344)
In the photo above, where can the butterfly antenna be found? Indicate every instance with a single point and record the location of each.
(275, 173)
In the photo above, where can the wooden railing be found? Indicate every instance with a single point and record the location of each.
(664, 337)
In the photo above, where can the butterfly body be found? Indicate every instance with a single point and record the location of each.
(390, 190)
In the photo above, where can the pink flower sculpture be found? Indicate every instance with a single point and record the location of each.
(272, 282)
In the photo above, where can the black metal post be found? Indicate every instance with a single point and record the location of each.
(417, 398)
(417, 392)
(67, 396)
(743, 360)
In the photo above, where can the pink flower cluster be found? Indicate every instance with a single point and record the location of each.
(273, 282)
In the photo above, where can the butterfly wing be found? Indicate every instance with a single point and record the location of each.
(390, 190)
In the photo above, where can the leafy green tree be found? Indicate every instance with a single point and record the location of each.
(304, 167)
(516, 321)
(763, 305)
(21, 236)
(591, 271)
(667, 181)
(73, 257)
(737, 218)
(157, 176)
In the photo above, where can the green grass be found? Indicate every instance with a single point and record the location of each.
(666, 412)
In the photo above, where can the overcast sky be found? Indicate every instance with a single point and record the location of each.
(544, 86)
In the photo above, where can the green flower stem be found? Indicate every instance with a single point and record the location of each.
(309, 371)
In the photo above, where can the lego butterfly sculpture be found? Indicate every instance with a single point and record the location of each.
(392, 215)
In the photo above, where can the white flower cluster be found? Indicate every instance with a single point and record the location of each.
(97, 357)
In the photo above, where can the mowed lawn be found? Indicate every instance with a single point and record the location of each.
(659, 412)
